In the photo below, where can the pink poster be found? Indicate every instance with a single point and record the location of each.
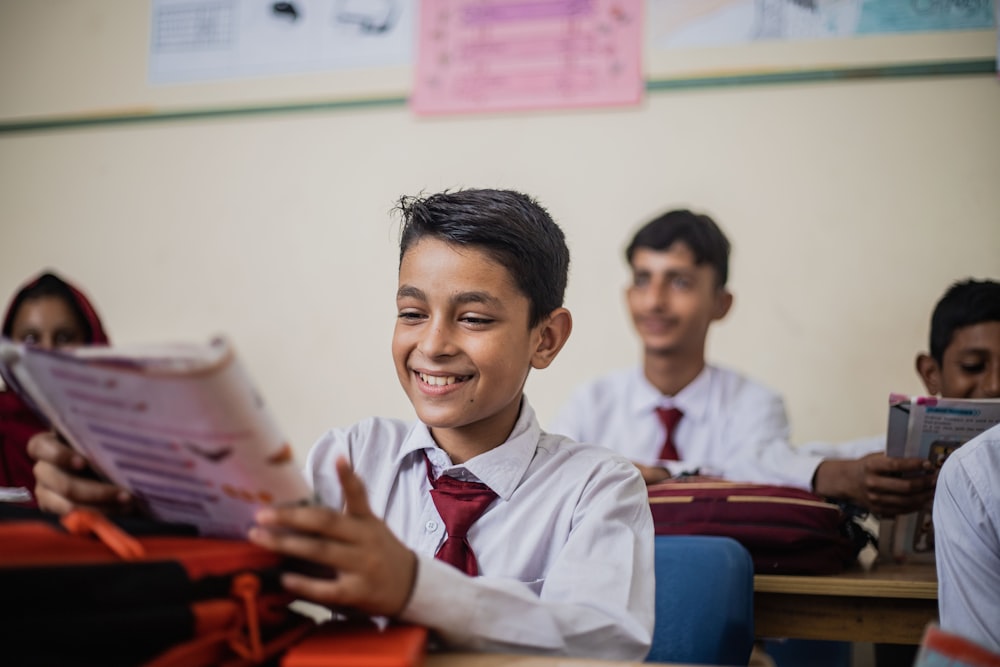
(504, 55)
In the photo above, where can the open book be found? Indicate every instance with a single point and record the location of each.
(931, 428)
(180, 426)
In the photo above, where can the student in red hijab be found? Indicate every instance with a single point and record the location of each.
(51, 313)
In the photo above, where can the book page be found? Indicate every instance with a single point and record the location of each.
(182, 428)
(939, 425)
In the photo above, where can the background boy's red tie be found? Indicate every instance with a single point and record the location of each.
(459, 503)
(670, 417)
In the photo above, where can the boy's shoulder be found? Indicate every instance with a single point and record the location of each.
(582, 458)
(613, 383)
(387, 433)
(979, 456)
(580, 479)
(725, 382)
(373, 427)
(732, 383)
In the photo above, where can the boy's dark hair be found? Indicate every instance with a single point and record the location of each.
(511, 227)
(50, 285)
(966, 303)
(695, 230)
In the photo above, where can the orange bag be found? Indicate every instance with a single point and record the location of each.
(83, 591)
(353, 645)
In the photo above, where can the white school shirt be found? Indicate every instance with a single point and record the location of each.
(732, 427)
(966, 518)
(565, 553)
(848, 449)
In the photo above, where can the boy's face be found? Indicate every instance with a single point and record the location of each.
(47, 322)
(970, 365)
(673, 300)
(462, 346)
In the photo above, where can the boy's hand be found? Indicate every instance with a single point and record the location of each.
(886, 485)
(374, 571)
(63, 480)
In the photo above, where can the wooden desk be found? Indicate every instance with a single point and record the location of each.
(501, 660)
(892, 603)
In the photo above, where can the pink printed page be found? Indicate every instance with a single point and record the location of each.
(506, 55)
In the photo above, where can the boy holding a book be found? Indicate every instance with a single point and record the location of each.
(677, 414)
(964, 362)
(962, 358)
(471, 521)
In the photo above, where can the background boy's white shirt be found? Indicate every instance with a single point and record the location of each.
(732, 427)
(848, 449)
(565, 553)
(967, 540)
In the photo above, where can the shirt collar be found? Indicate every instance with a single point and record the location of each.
(693, 400)
(501, 468)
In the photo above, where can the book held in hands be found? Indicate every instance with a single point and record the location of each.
(182, 427)
(930, 428)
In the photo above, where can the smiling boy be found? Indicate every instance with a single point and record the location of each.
(678, 414)
(680, 266)
(962, 361)
(963, 358)
(557, 555)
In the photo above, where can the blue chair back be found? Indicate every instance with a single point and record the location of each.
(704, 601)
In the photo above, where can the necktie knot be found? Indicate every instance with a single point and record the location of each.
(460, 504)
(669, 417)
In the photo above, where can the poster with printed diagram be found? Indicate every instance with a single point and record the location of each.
(198, 40)
(711, 23)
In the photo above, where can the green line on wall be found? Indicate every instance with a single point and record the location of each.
(910, 70)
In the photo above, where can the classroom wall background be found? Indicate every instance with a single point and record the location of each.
(851, 206)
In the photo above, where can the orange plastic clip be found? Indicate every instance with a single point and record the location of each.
(246, 587)
(88, 522)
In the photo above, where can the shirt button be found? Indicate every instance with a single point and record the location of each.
(431, 526)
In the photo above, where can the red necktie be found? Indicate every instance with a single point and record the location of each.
(669, 417)
(459, 503)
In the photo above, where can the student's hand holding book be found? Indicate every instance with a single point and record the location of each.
(64, 480)
(176, 431)
(369, 568)
(885, 485)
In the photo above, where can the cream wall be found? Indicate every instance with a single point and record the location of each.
(851, 207)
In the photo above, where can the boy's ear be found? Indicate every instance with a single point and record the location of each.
(723, 302)
(554, 332)
(930, 373)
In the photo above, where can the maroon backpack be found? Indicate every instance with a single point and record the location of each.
(786, 530)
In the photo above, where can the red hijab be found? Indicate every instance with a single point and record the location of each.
(17, 421)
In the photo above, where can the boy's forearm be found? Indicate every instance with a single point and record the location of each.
(833, 478)
(653, 474)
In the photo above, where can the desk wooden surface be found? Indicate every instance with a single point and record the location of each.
(886, 580)
(892, 603)
(501, 660)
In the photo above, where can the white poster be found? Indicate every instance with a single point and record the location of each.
(198, 40)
